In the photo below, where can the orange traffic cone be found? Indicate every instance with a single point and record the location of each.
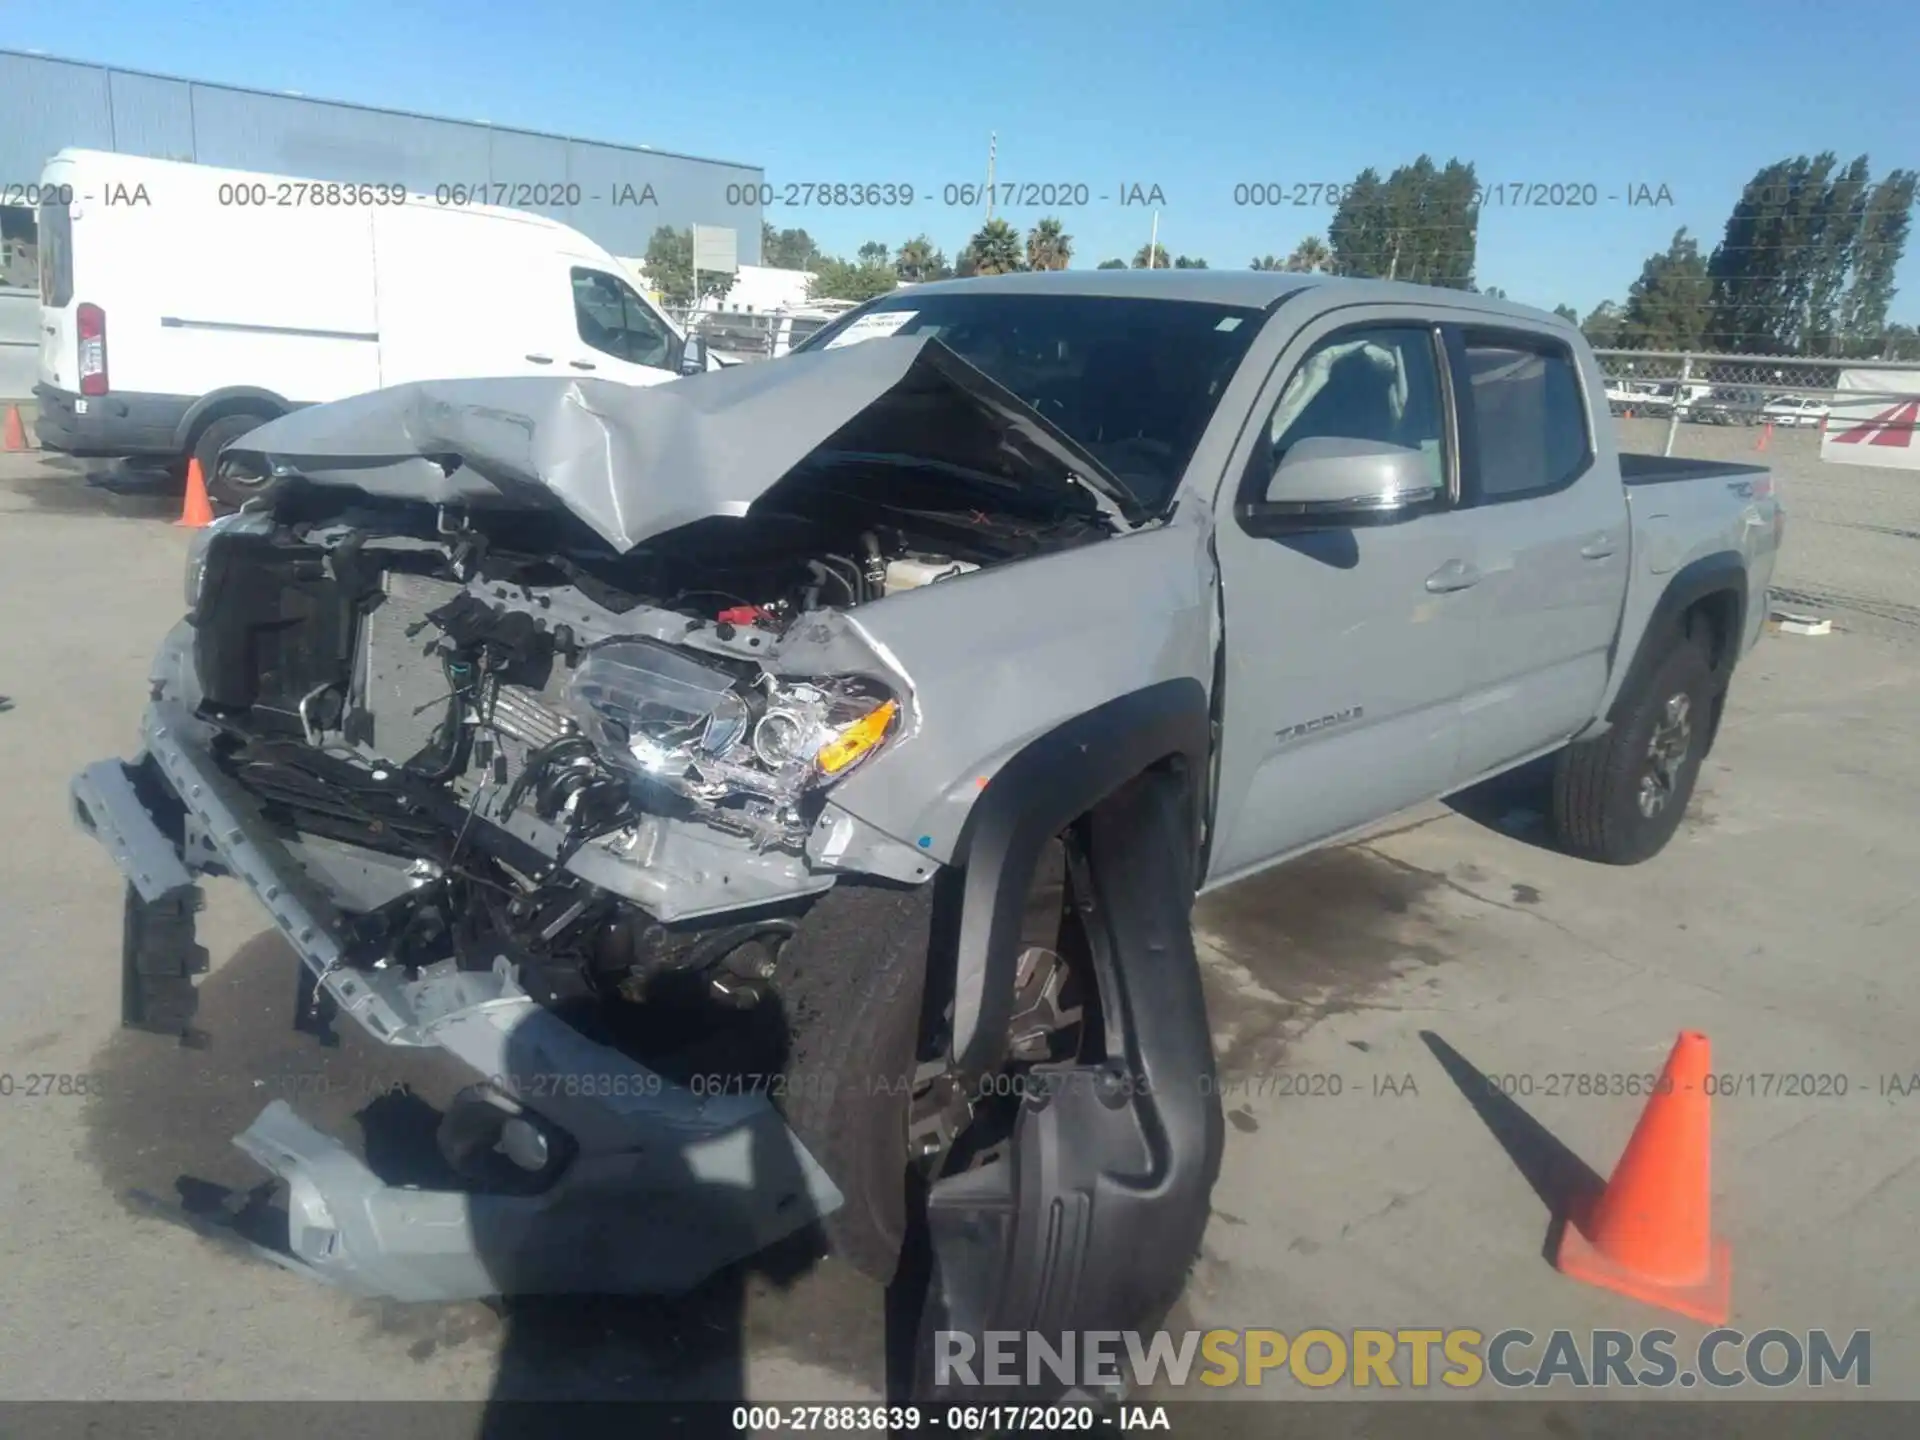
(197, 510)
(1648, 1235)
(16, 432)
(1765, 435)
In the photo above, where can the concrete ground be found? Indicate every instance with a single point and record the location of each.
(1395, 971)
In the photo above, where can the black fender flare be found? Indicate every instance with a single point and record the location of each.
(1711, 574)
(1057, 776)
(231, 400)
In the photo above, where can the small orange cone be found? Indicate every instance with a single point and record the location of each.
(1765, 436)
(1649, 1235)
(197, 510)
(16, 432)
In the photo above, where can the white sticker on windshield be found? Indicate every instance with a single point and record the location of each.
(1232, 322)
(876, 326)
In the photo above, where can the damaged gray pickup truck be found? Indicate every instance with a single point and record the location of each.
(908, 690)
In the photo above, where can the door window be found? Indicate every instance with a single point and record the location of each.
(1528, 417)
(1375, 384)
(615, 321)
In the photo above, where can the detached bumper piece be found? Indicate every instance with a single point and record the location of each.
(621, 1181)
(158, 954)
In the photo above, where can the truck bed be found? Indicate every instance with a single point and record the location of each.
(1636, 469)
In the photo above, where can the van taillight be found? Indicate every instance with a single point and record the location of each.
(92, 321)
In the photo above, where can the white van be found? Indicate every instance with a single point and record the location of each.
(183, 305)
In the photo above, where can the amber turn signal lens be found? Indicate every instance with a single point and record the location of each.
(857, 739)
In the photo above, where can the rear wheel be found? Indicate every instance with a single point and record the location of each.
(226, 492)
(1618, 797)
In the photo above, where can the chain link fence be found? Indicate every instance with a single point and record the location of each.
(1852, 551)
(1698, 388)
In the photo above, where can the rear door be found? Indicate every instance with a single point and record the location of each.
(1550, 515)
(1347, 647)
(59, 336)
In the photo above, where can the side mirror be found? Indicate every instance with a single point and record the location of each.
(693, 359)
(1332, 481)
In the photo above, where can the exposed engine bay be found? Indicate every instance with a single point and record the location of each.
(489, 735)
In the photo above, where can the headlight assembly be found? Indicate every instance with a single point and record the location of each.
(657, 713)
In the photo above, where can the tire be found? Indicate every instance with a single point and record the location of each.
(1614, 799)
(851, 984)
(226, 494)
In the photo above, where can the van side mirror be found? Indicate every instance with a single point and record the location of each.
(1329, 480)
(693, 359)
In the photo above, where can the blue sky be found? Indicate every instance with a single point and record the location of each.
(1195, 97)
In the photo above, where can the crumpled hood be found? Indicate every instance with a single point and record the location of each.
(634, 462)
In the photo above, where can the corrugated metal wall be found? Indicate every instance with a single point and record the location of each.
(47, 104)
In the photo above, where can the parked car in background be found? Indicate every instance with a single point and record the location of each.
(905, 692)
(1728, 405)
(183, 305)
(1794, 410)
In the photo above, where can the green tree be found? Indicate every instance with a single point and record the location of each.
(1115, 264)
(1421, 224)
(873, 253)
(1310, 255)
(1049, 247)
(1602, 325)
(669, 266)
(995, 249)
(1567, 313)
(1188, 262)
(1266, 262)
(1667, 307)
(1805, 265)
(1886, 213)
(835, 279)
(1151, 257)
(787, 249)
(919, 259)
(1897, 342)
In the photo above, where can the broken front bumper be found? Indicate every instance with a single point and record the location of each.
(663, 1186)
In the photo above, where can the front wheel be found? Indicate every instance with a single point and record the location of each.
(1618, 797)
(1068, 1188)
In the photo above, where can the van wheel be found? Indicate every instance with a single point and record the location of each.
(226, 493)
(1618, 797)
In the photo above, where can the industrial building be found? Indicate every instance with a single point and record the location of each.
(617, 195)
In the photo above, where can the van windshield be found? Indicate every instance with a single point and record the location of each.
(1133, 381)
(56, 256)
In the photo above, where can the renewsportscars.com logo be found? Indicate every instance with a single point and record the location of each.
(1392, 1359)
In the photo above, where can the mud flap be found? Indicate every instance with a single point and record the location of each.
(1095, 1213)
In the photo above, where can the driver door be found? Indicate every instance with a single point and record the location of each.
(615, 334)
(1349, 636)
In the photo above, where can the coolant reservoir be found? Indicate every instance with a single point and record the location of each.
(910, 572)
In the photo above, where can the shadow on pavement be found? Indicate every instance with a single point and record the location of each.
(1565, 1183)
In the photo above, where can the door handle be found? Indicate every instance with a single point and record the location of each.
(1454, 575)
(1598, 548)
(583, 365)
(541, 359)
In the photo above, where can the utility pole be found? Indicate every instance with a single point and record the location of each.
(993, 143)
(1153, 241)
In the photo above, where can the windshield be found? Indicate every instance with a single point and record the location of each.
(1133, 381)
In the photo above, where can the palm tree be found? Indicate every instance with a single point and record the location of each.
(1309, 255)
(1267, 262)
(1151, 257)
(995, 249)
(1049, 247)
(919, 260)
